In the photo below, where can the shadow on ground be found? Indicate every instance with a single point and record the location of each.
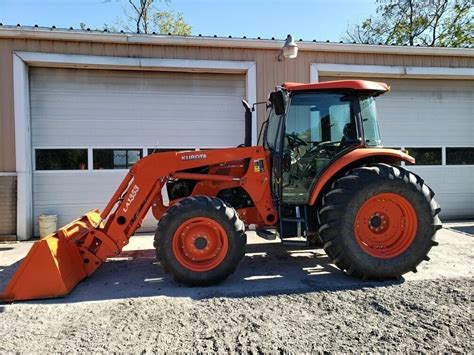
(469, 230)
(266, 269)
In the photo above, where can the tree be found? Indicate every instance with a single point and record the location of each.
(168, 22)
(146, 18)
(418, 22)
(142, 16)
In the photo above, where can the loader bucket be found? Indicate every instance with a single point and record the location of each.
(56, 263)
(51, 269)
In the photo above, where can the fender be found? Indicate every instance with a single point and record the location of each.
(381, 155)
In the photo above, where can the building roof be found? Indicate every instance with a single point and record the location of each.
(359, 85)
(106, 36)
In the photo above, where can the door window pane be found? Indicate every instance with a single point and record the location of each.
(61, 159)
(272, 137)
(115, 158)
(164, 150)
(318, 127)
(369, 121)
(133, 156)
(426, 156)
(120, 159)
(459, 156)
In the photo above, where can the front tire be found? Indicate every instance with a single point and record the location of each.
(200, 241)
(378, 221)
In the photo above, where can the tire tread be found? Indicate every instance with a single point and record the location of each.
(220, 211)
(332, 212)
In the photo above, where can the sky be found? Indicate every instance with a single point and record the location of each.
(306, 19)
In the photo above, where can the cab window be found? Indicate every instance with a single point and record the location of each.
(321, 118)
(318, 127)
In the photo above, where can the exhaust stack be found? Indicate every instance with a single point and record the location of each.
(248, 124)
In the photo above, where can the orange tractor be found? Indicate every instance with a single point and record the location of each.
(320, 174)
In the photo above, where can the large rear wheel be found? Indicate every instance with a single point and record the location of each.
(200, 240)
(379, 221)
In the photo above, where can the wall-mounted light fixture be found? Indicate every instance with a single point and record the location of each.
(289, 49)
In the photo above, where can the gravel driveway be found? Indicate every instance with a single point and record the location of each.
(282, 298)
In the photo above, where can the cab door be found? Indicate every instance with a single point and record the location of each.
(318, 126)
(273, 142)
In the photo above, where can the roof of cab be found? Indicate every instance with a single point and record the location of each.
(358, 85)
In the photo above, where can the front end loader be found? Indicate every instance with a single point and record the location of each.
(320, 175)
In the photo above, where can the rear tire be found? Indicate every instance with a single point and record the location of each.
(200, 241)
(378, 221)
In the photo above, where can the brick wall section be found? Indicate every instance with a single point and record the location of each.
(7, 206)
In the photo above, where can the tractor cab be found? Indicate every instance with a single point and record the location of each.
(312, 125)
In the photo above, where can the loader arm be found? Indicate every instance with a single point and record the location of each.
(58, 262)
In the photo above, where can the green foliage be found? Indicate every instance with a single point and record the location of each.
(142, 16)
(418, 22)
(169, 22)
(146, 18)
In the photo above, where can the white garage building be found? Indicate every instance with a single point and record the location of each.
(111, 119)
(79, 108)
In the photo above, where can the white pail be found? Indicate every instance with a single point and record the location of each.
(48, 224)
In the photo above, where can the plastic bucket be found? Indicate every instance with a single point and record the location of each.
(48, 224)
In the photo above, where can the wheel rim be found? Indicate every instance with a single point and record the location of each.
(200, 244)
(385, 225)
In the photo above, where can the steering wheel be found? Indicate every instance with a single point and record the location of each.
(294, 141)
(319, 146)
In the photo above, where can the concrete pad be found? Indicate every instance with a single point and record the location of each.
(268, 268)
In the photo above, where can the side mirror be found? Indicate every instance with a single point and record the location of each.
(278, 103)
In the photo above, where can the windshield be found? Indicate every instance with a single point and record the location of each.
(321, 117)
(273, 136)
(369, 121)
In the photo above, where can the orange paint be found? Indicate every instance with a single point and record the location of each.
(202, 177)
(382, 155)
(57, 263)
(385, 225)
(200, 244)
(359, 85)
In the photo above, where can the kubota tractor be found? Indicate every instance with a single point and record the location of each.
(320, 174)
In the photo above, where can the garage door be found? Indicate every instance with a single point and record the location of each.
(434, 120)
(89, 126)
